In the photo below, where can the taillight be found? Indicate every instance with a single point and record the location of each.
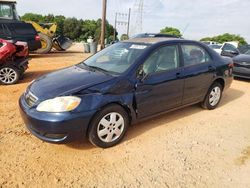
(231, 65)
(37, 38)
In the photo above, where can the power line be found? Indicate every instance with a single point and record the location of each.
(123, 20)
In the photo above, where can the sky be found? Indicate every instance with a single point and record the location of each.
(195, 18)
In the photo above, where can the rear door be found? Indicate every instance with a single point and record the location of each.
(198, 72)
(162, 87)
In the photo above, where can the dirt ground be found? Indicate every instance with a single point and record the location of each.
(190, 147)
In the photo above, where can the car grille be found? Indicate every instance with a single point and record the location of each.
(30, 99)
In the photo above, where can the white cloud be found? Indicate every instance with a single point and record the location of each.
(204, 18)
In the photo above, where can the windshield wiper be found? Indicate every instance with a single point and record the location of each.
(94, 68)
(98, 68)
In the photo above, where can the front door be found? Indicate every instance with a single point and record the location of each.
(162, 87)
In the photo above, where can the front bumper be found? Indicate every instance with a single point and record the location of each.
(22, 64)
(55, 127)
(243, 72)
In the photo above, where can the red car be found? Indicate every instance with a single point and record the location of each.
(13, 61)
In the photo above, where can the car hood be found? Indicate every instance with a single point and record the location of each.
(242, 57)
(66, 81)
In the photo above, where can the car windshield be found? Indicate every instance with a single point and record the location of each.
(6, 11)
(215, 46)
(116, 58)
(247, 52)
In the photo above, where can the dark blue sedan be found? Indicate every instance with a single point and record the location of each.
(125, 83)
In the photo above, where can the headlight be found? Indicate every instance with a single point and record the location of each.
(59, 104)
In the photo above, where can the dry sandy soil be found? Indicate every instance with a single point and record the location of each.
(190, 147)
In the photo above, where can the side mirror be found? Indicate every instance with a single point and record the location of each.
(230, 53)
(141, 75)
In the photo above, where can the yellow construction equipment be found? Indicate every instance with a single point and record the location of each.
(48, 39)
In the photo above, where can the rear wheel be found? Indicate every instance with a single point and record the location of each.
(46, 44)
(213, 97)
(9, 75)
(108, 126)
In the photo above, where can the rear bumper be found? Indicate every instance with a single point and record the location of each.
(34, 45)
(228, 82)
(241, 72)
(55, 127)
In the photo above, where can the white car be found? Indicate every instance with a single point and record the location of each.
(209, 42)
(226, 49)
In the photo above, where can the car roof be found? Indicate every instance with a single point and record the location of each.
(152, 40)
(7, 1)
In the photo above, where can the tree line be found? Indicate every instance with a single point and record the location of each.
(75, 29)
(80, 30)
(220, 38)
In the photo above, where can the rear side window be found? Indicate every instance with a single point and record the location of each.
(6, 11)
(4, 30)
(194, 55)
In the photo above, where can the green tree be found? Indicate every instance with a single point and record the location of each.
(171, 31)
(60, 23)
(124, 37)
(226, 38)
(72, 28)
(33, 17)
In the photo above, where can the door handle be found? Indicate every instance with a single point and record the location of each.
(178, 75)
(211, 68)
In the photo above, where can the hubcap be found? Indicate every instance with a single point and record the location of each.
(110, 127)
(214, 96)
(8, 75)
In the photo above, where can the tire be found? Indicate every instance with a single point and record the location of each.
(213, 96)
(108, 126)
(9, 74)
(46, 44)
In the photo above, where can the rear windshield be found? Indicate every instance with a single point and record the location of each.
(6, 11)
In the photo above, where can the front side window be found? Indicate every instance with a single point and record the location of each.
(6, 11)
(163, 59)
(193, 55)
(117, 58)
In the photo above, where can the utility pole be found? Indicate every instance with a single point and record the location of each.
(115, 26)
(122, 19)
(104, 8)
(129, 11)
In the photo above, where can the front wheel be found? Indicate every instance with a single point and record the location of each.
(213, 97)
(108, 127)
(9, 75)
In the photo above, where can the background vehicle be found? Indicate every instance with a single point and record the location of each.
(13, 61)
(40, 38)
(242, 65)
(48, 38)
(11, 28)
(228, 49)
(244, 48)
(124, 83)
(210, 42)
